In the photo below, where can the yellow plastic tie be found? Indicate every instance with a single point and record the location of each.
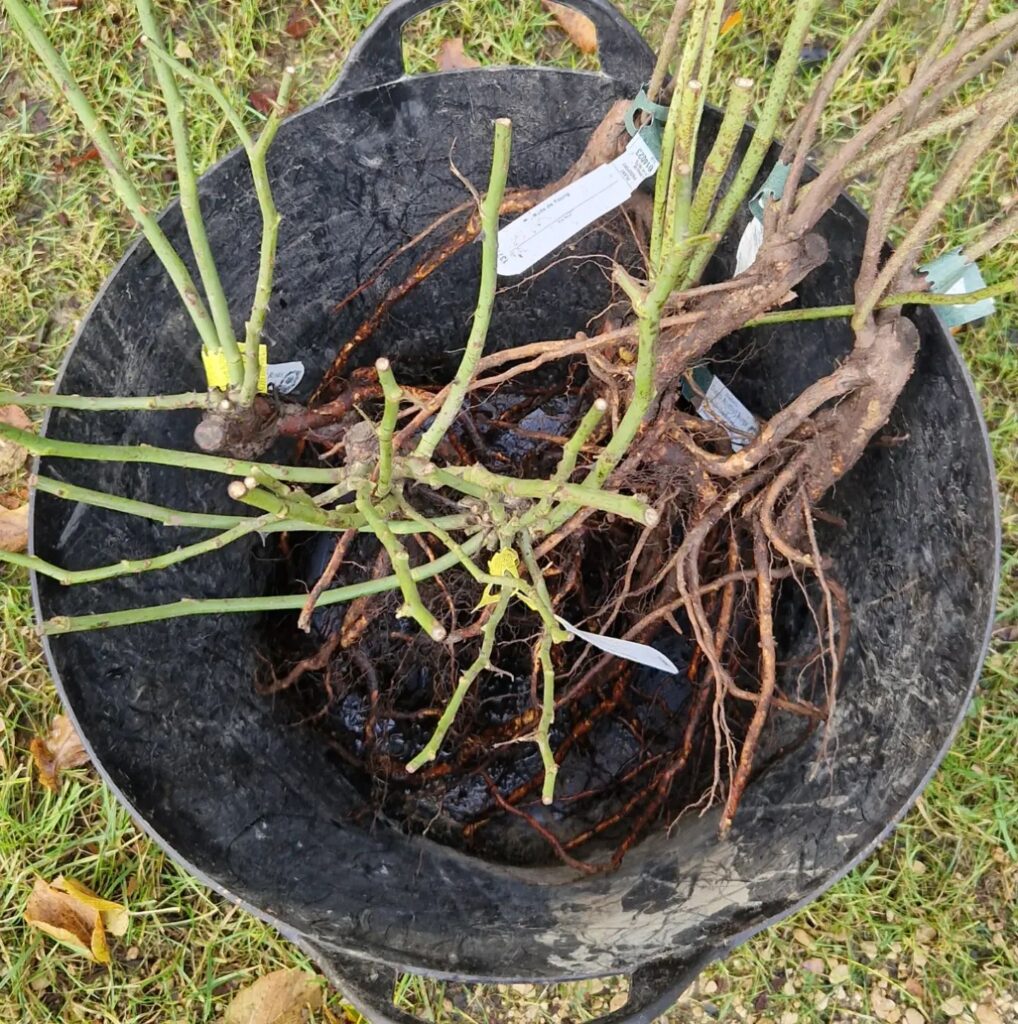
(218, 375)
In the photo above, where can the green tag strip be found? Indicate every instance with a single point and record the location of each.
(954, 274)
(772, 188)
(653, 132)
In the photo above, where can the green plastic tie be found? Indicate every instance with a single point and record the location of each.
(943, 274)
(653, 132)
(772, 188)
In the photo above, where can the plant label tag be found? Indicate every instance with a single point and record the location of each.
(539, 231)
(714, 402)
(719, 405)
(284, 377)
(749, 246)
(642, 654)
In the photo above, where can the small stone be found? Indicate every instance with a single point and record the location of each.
(869, 949)
(840, 973)
(709, 987)
(914, 1016)
(789, 1017)
(133, 953)
(953, 1007)
(918, 867)
(987, 1014)
(925, 934)
(788, 988)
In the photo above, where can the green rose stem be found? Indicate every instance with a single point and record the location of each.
(483, 661)
(542, 735)
(486, 294)
(166, 457)
(187, 180)
(236, 605)
(393, 395)
(256, 151)
(413, 605)
(115, 403)
(119, 178)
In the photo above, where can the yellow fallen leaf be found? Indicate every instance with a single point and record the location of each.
(14, 528)
(452, 56)
(114, 916)
(59, 750)
(69, 918)
(182, 51)
(734, 20)
(580, 29)
(13, 455)
(282, 997)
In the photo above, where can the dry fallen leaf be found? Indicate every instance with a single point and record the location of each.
(281, 997)
(76, 916)
(13, 456)
(578, 27)
(182, 51)
(59, 750)
(987, 1014)
(452, 57)
(263, 101)
(953, 1007)
(734, 20)
(299, 25)
(14, 528)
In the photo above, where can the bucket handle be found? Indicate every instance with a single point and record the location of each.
(653, 988)
(377, 56)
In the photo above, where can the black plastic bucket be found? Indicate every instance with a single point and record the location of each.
(257, 808)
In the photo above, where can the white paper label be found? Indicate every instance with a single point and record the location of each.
(549, 224)
(749, 246)
(284, 377)
(719, 405)
(642, 654)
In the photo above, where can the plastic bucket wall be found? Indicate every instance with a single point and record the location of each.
(259, 809)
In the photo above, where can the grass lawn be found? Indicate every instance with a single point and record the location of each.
(925, 929)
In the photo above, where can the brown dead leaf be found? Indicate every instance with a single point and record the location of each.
(299, 25)
(578, 27)
(452, 57)
(262, 100)
(14, 528)
(76, 916)
(59, 750)
(13, 455)
(281, 997)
